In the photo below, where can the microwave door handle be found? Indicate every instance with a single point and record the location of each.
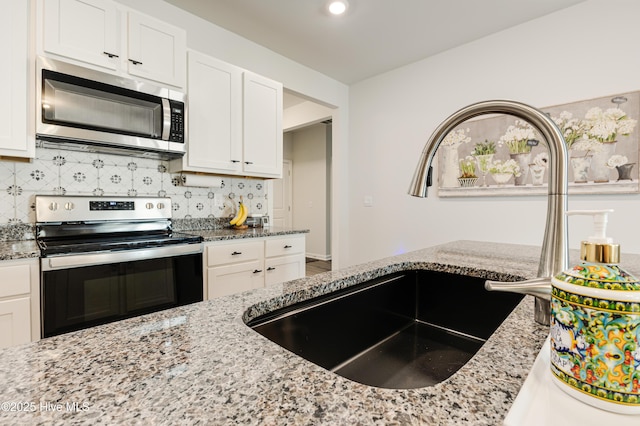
(166, 119)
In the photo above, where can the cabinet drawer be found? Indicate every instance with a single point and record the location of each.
(16, 279)
(224, 253)
(285, 246)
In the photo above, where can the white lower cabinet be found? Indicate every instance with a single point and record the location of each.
(19, 302)
(284, 259)
(236, 266)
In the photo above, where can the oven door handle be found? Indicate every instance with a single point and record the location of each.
(90, 259)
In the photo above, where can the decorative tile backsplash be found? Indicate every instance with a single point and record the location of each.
(61, 172)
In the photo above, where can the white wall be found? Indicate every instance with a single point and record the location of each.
(582, 52)
(227, 46)
(309, 149)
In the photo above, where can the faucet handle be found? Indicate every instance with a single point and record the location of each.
(538, 287)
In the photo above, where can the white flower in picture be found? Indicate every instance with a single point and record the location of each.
(517, 136)
(605, 126)
(456, 137)
(589, 146)
(509, 166)
(541, 160)
(572, 128)
(617, 160)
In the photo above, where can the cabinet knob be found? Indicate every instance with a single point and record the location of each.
(271, 268)
(235, 253)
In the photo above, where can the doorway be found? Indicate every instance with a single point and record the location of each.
(306, 181)
(282, 194)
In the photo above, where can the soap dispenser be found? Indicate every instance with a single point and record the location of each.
(595, 326)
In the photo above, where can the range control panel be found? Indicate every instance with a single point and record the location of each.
(112, 205)
(63, 208)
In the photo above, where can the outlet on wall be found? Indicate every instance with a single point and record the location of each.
(368, 200)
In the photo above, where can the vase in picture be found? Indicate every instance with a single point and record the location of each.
(450, 166)
(624, 171)
(522, 159)
(580, 167)
(501, 178)
(484, 162)
(537, 174)
(599, 169)
(467, 182)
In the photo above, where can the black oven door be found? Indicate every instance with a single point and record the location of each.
(106, 289)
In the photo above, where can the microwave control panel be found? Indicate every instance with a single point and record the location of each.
(177, 121)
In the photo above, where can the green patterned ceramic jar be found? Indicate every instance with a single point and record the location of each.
(595, 331)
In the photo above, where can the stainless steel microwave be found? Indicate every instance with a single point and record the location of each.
(83, 109)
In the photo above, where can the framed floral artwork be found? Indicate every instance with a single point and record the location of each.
(504, 155)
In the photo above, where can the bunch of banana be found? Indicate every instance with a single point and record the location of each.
(241, 216)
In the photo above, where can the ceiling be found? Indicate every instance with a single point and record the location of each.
(374, 36)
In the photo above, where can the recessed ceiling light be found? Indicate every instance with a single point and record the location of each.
(337, 7)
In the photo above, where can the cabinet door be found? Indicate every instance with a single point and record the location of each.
(262, 126)
(156, 50)
(284, 268)
(85, 30)
(15, 322)
(14, 139)
(215, 115)
(236, 278)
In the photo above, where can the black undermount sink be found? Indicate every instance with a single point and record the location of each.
(401, 331)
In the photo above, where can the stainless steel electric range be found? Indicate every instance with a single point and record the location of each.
(110, 258)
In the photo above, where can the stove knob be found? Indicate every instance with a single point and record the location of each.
(149, 206)
(69, 206)
(160, 206)
(53, 206)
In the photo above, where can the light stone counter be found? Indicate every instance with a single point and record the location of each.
(200, 364)
(222, 234)
(21, 249)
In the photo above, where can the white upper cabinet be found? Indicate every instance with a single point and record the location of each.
(262, 126)
(214, 116)
(234, 121)
(156, 50)
(85, 30)
(103, 34)
(15, 140)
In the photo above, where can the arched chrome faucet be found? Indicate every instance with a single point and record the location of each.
(554, 257)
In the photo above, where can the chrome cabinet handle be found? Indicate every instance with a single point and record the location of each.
(271, 268)
(235, 253)
(134, 62)
(111, 55)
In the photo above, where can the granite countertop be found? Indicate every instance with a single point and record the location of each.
(200, 364)
(221, 234)
(21, 249)
(28, 248)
